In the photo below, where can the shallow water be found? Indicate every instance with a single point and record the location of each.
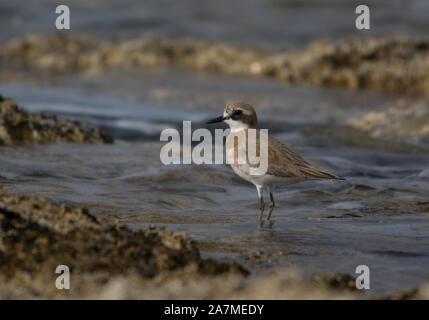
(265, 23)
(377, 217)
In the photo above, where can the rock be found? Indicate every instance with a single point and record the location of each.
(393, 64)
(335, 281)
(36, 236)
(410, 294)
(405, 118)
(18, 126)
(422, 206)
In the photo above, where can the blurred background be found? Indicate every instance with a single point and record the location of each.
(272, 23)
(351, 101)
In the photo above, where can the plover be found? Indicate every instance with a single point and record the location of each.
(284, 166)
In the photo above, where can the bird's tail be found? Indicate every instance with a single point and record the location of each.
(319, 174)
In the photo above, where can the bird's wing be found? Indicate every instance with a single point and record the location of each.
(283, 162)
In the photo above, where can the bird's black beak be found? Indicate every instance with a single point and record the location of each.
(218, 119)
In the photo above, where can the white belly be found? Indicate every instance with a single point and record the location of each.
(242, 168)
(266, 180)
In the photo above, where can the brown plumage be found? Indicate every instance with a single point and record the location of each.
(283, 162)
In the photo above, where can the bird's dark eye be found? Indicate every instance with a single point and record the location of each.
(238, 112)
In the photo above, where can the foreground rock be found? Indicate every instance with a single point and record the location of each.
(18, 126)
(109, 261)
(37, 236)
(392, 64)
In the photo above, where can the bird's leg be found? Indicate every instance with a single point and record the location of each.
(261, 202)
(271, 206)
(261, 208)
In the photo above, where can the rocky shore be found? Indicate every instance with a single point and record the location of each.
(396, 65)
(391, 64)
(36, 236)
(18, 126)
(108, 261)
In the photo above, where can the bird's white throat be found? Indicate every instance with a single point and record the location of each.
(236, 125)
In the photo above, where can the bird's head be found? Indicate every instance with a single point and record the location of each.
(238, 116)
